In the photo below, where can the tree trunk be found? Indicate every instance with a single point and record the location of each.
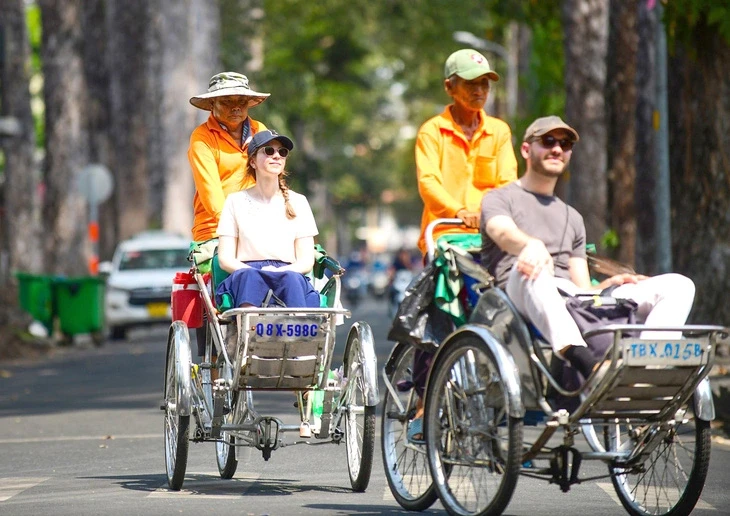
(699, 139)
(127, 57)
(524, 40)
(20, 214)
(64, 210)
(621, 113)
(97, 111)
(184, 42)
(585, 24)
(646, 163)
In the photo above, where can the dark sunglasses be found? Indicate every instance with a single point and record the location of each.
(549, 141)
(283, 151)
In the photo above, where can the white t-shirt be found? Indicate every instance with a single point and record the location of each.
(263, 230)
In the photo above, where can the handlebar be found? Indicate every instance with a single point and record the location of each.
(430, 243)
(329, 263)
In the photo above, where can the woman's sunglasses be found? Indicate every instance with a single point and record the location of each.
(283, 151)
(549, 141)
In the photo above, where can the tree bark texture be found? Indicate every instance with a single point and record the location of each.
(585, 24)
(184, 43)
(127, 23)
(621, 98)
(20, 212)
(64, 209)
(699, 144)
(645, 160)
(98, 112)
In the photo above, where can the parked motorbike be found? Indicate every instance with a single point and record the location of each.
(354, 286)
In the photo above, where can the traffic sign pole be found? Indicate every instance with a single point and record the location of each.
(95, 183)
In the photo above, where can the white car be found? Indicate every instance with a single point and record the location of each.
(139, 281)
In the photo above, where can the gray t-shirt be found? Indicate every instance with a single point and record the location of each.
(547, 218)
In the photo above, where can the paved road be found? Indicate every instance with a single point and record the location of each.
(81, 434)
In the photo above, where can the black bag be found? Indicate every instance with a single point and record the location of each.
(418, 321)
(589, 313)
(595, 312)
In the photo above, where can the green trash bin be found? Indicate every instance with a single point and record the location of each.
(80, 305)
(35, 295)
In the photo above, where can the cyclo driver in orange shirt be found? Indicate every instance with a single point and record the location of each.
(218, 154)
(461, 154)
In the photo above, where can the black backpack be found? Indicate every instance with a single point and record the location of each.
(589, 313)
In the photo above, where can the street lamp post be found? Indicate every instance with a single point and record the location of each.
(461, 36)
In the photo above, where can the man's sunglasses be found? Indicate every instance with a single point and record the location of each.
(549, 141)
(283, 151)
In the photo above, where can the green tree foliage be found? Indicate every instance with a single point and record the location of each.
(330, 92)
(352, 82)
(686, 19)
(33, 20)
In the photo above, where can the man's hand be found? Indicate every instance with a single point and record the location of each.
(620, 279)
(470, 218)
(534, 258)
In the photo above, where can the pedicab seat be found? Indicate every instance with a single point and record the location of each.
(285, 348)
(329, 294)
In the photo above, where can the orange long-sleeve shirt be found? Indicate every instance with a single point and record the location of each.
(219, 168)
(455, 173)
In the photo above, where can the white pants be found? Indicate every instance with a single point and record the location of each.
(663, 300)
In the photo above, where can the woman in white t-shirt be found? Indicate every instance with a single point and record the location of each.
(266, 233)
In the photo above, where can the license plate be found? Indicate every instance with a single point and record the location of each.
(287, 328)
(158, 309)
(681, 352)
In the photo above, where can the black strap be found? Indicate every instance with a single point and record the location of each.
(271, 296)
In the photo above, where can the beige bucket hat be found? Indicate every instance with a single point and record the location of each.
(226, 84)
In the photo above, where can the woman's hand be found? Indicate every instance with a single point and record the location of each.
(272, 268)
(534, 258)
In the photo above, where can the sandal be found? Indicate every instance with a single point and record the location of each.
(415, 431)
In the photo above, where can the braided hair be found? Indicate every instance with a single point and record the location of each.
(251, 172)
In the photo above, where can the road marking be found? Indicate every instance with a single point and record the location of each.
(611, 491)
(26, 440)
(196, 483)
(9, 487)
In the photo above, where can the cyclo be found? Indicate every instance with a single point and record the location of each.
(270, 349)
(646, 415)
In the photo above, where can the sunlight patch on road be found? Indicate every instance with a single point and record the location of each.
(10, 487)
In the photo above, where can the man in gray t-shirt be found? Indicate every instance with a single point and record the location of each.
(545, 217)
(534, 244)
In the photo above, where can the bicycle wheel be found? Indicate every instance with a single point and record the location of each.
(473, 444)
(406, 464)
(359, 418)
(177, 426)
(668, 478)
(225, 450)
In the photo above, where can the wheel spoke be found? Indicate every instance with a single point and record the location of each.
(669, 480)
(473, 446)
(406, 465)
(360, 419)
